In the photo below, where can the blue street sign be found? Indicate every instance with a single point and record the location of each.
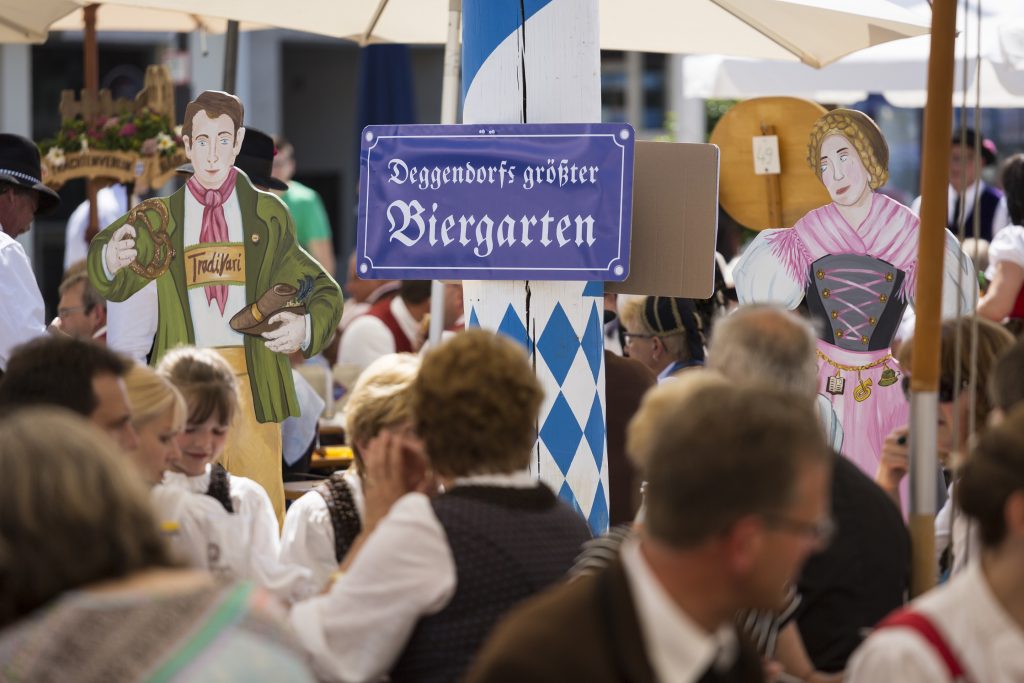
(496, 202)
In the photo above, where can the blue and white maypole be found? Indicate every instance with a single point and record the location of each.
(538, 61)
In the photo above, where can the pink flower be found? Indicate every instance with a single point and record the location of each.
(127, 130)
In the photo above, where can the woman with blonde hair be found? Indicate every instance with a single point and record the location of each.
(89, 591)
(158, 416)
(854, 263)
(244, 542)
(321, 526)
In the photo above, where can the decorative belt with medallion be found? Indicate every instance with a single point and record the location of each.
(836, 384)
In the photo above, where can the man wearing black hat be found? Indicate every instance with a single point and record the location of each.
(22, 197)
(969, 154)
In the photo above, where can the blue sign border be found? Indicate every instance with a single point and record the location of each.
(622, 135)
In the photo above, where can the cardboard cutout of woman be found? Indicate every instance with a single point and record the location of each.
(854, 262)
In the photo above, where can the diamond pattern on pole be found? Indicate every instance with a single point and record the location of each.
(558, 344)
(512, 326)
(598, 518)
(561, 433)
(593, 340)
(474, 321)
(565, 493)
(594, 431)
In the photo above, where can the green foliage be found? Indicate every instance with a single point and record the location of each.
(143, 132)
(716, 110)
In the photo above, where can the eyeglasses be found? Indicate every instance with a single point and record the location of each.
(627, 337)
(947, 390)
(65, 312)
(820, 532)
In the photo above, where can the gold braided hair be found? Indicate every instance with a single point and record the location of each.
(863, 134)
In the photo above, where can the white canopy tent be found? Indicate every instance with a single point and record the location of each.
(897, 70)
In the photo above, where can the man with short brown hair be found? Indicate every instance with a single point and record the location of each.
(80, 376)
(737, 498)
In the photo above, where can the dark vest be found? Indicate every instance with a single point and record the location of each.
(987, 204)
(856, 299)
(382, 311)
(344, 514)
(220, 487)
(508, 544)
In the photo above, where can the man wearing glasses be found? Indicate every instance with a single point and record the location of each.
(82, 311)
(737, 498)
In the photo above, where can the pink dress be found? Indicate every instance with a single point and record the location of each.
(857, 283)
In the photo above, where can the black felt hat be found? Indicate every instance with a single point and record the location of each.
(256, 159)
(20, 165)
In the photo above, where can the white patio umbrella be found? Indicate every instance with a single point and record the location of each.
(897, 70)
(815, 32)
(29, 21)
(126, 18)
(25, 21)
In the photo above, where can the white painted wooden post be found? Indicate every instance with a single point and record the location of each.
(538, 61)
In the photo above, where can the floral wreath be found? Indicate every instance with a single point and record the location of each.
(144, 132)
(844, 123)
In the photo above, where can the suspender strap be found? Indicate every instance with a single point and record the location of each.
(919, 623)
(344, 515)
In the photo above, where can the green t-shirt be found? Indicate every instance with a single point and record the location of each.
(308, 211)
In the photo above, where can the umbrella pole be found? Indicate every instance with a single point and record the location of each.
(91, 65)
(449, 115)
(231, 56)
(938, 121)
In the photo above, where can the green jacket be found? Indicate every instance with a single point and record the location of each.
(272, 256)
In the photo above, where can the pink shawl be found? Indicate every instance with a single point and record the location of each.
(888, 233)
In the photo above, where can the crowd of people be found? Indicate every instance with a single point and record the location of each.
(745, 546)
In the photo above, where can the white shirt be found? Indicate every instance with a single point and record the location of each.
(131, 324)
(194, 524)
(367, 338)
(307, 539)
(679, 649)
(354, 309)
(985, 640)
(210, 325)
(22, 313)
(950, 522)
(404, 571)
(1007, 246)
(111, 204)
(247, 540)
(1000, 219)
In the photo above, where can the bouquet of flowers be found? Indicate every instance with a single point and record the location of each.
(143, 132)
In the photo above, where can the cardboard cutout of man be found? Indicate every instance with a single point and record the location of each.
(854, 262)
(230, 276)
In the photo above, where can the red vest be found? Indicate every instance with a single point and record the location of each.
(382, 311)
(1018, 305)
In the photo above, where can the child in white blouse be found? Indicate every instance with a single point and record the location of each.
(244, 543)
